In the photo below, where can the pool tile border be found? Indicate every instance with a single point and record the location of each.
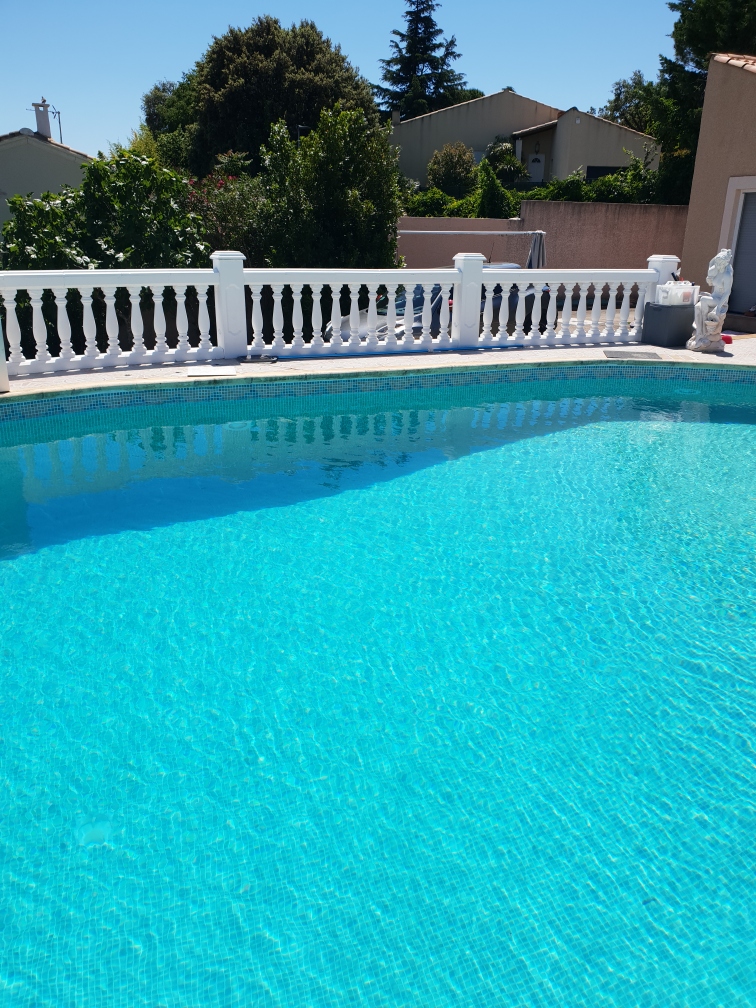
(48, 404)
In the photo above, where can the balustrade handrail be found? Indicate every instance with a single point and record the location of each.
(50, 279)
(72, 319)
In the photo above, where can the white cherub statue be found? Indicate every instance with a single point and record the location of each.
(712, 308)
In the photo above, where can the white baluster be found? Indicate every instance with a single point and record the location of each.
(519, 330)
(407, 340)
(582, 311)
(258, 341)
(111, 320)
(611, 309)
(136, 322)
(551, 314)
(535, 315)
(443, 319)
(297, 343)
(564, 330)
(426, 339)
(486, 335)
(39, 328)
(595, 330)
(89, 324)
(161, 347)
(639, 306)
(182, 323)
(63, 324)
(12, 328)
(354, 343)
(623, 333)
(203, 323)
(316, 344)
(371, 342)
(336, 342)
(278, 345)
(390, 341)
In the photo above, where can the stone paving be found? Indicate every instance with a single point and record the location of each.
(741, 353)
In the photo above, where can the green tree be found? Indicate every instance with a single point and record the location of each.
(631, 103)
(418, 75)
(493, 199)
(508, 168)
(247, 80)
(128, 212)
(334, 200)
(452, 170)
(706, 26)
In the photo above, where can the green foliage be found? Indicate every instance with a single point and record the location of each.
(636, 183)
(230, 204)
(452, 170)
(631, 103)
(128, 211)
(508, 168)
(429, 203)
(332, 201)
(419, 74)
(493, 199)
(45, 233)
(706, 26)
(247, 80)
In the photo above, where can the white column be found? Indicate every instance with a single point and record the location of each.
(230, 310)
(467, 291)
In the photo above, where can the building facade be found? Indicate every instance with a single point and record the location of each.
(550, 142)
(722, 212)
(32, 162)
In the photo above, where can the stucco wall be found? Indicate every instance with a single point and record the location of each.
(726, 149)
(31, 165)
(582, 140)
(475, 123)
(578, 235)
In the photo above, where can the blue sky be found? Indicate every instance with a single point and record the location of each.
(94, 60)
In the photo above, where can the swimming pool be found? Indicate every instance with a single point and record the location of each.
(413, 694)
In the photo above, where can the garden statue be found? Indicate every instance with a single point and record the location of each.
(712, 308)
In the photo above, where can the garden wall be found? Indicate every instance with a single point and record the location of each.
(578, 235)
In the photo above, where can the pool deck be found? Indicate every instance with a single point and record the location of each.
(741, 353)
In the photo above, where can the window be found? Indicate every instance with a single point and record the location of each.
(593, 172)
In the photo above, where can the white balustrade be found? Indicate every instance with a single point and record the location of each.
(297, 312)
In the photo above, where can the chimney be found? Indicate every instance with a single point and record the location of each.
(396, 117)
(43, 117)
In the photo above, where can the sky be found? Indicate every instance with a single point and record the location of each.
(94, 59)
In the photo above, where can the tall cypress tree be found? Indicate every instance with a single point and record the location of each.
(419, 77)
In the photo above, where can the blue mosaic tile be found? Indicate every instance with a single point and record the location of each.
(235, 391)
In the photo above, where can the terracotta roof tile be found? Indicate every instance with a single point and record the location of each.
(744, 62)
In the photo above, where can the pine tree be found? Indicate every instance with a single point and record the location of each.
(419, 75)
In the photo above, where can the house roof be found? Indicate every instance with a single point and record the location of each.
(745, 62)
(45, 140)
(535, 129)
(552, 124)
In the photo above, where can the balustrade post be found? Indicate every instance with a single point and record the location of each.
(467, 295)
(665, 266)
(230, 309)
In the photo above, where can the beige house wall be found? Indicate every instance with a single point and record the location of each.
(578, 235)
(475, 123)
(31, 165)
(725, 160)
(581, 140)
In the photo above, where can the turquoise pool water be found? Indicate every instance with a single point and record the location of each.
(424, 699)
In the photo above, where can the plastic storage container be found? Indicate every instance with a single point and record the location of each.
(676, 292)
(667, 325)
